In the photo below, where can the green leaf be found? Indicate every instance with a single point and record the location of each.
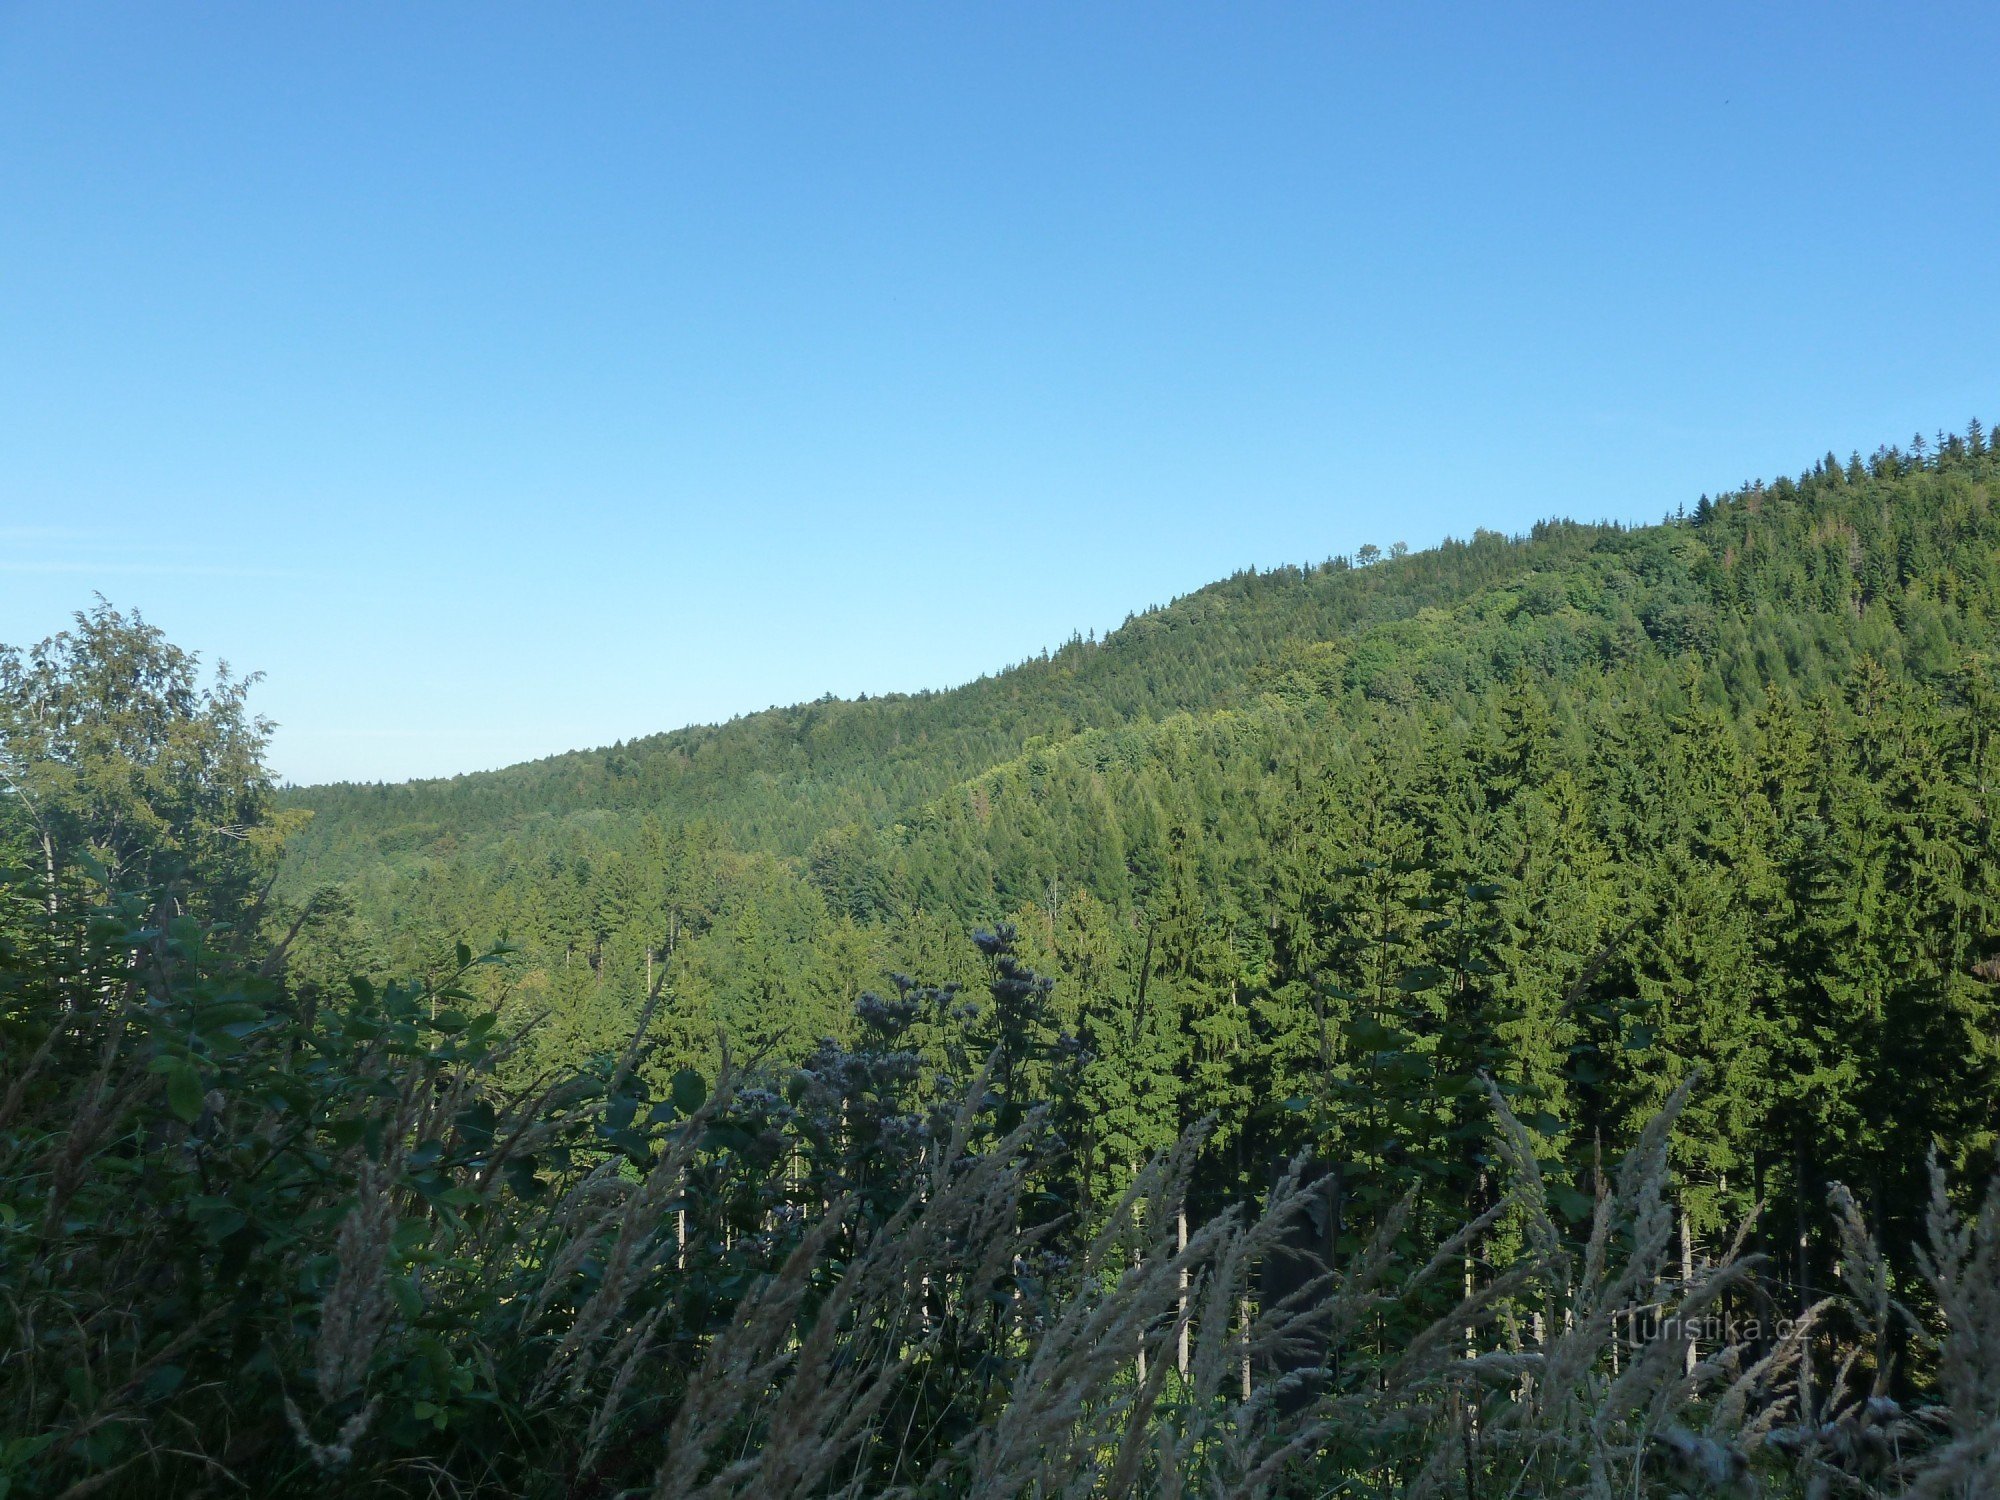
(728, 1137)
(409, 1298)
(476, 1121)
(1544, 1123)
(409, 1237)
(217, 1217)
(1370, 1035)
(689, 1091)
(1571, 1204)
(184, 1091)
(521, 1176)
(223, 1013)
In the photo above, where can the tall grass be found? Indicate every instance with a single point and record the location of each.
(245, 1250)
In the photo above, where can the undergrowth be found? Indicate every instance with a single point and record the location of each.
(249, 1246)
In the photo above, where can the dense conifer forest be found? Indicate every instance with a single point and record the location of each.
(1521, 1017)
(1592, 807)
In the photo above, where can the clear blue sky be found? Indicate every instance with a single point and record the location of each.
(505, 379)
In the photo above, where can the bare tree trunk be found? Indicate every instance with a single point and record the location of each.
(49, 868)
(1693, 1356)
(1142, 1339)
(1805, 1290)
(1181, 1237)
(1243, 1335)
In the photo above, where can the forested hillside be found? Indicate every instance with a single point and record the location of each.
(776, 779)
(1588, 809)
(1516, 1019)
(1596, 805)
(1437, 624)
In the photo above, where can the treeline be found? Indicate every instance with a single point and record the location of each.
(1588, 811)
(1437, 1023)
(262, 1234)
(262, 1243)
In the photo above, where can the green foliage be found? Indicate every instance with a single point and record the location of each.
(1308, 867)
(247, 1236)
(116, 759)
(1722, 785)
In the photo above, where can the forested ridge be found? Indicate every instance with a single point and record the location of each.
(1718, 790)
(1518, 1018)
(779, 777)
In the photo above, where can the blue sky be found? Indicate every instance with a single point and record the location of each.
(506, 379)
